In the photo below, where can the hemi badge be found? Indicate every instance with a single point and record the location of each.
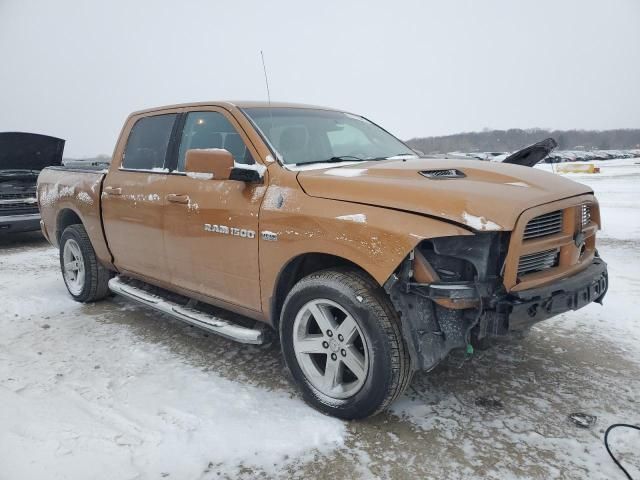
(269, 236)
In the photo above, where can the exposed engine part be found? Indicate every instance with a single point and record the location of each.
(449, 293)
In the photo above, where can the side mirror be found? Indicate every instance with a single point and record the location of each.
(215, 163)
(218, 164)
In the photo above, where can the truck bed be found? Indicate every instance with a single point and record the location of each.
(66, 194)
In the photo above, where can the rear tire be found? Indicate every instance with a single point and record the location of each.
(342, 343)
(85, 277)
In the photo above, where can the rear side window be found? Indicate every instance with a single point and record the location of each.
(211, 130)
(148, 142)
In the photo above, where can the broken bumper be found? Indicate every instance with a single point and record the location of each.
(519, 310)
(432, 330)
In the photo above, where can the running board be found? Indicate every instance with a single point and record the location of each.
(192, 316)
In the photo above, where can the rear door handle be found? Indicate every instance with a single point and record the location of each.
(175, 198)
(113, 190)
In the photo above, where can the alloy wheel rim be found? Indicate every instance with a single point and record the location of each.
(73, 267)
(330, 348)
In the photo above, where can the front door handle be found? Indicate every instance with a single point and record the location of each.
(175, 198)
(112, 191)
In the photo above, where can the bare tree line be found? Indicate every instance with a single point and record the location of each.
(515, 138)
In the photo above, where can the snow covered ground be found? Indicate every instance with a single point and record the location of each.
(114, 391)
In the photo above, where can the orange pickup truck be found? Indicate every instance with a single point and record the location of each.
(369, 261)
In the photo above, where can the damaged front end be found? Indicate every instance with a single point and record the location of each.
(450, 293)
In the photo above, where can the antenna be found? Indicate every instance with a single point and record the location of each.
(266, 78)
(266, 81)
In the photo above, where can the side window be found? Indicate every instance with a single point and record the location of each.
(148, 141)
(211, 130)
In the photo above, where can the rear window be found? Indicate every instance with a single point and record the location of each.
(148, 142)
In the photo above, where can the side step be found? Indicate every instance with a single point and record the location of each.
(192, 316)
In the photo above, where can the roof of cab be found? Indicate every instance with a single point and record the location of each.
(233, 103)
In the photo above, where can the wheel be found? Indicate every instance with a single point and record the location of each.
(85, 277)
(342, 343)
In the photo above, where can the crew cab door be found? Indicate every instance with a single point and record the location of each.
(211, 226)
(133, 198)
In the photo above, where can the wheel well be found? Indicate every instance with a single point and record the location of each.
(65, 218)
(298, 268)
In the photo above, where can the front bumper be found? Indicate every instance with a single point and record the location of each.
(20, 223)
(432, 330)
(520, 310)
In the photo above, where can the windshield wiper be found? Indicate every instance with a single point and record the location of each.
(341, 158)
(352, 158)
(395, 156)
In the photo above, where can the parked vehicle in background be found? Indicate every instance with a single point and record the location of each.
(369, 261)
(527, 156)
(22, 156)
(561, 156)
(101, 161)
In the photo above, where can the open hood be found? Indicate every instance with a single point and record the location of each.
(29, 151)
(532, 154)
(481, 195)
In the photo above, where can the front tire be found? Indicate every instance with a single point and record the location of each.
(85, 277)
(342, 342)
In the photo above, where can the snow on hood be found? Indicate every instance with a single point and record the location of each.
(489, 197)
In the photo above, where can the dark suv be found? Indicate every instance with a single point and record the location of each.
(22, 156)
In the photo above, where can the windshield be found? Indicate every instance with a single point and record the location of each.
(305, 135)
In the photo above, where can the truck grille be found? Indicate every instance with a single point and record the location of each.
(547, 224)
(535, 262)
(17, 203)
(586, 215)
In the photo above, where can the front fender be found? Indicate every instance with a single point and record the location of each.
(376, 239)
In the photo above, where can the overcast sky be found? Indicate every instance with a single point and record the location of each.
(75, 69)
